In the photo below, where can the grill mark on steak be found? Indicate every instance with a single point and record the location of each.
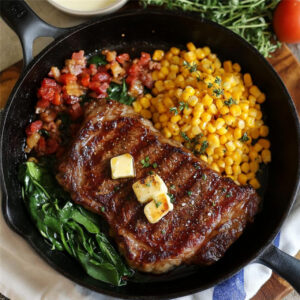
(199, 229)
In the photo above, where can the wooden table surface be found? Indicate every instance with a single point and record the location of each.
(287, 67)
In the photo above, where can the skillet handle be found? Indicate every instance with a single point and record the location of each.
(27, 25)
(283, 264)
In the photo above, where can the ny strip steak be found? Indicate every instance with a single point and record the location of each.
(210, 211)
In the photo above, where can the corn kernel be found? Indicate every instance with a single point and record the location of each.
(146, 113)
(266, 156)
(242, 178)
(158, 55)
(228, 161)
(213, 140)
(237, 133)
(257, 147)
(166, 132)
(157, 125)
(247, 80)
(224, 110)
(264, 143)
(175, 50)
(207, 100)
(236, 169)
(137, 106)
(254, 90)
(235, 110)
(228, 170)
(222, 131)
(264, 131)
(230, 146)
(245, 167)
(236, 67)
(254, 182)
(254, 166)
(223, 139)
(175, 119)
(145, 102)
(191, 46)
(261, 98)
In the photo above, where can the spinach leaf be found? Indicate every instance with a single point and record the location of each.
(118, 92)
(98, 60)
(69, 227)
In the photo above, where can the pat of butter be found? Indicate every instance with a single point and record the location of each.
(148, 188)
(158, 208)
(122, 166)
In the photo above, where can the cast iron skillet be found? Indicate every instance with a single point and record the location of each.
(147, 30)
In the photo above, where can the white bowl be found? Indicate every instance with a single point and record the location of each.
(102, 11)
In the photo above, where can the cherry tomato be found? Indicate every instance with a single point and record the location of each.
(286, 21)
(34, 127)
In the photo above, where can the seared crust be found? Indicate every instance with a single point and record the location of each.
(204, 222)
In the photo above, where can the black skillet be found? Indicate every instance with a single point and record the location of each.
(145, 30)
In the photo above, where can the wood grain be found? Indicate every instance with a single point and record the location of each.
(287, 67)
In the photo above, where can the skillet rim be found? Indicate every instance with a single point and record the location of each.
(5, 196)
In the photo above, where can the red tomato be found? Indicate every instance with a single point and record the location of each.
(34, 127)
(101, 77)
(85, 80)
(123, 57)
(47, 91)
(51, 145)
(286, 21)
(67, 78)
(145, 59)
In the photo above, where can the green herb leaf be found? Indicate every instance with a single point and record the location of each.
(174, 110)
(189, 193)
(98, 60)
(154, 165)
(209, 85)
(218, 92)
(69, 227)
(118, 92)
(218, 80)
(244, 138)
(145, 162)
(183, 105)
(172, 197)
(192, 67)
(44, 133)
(157, 204)
(183, 134)
(229, 102)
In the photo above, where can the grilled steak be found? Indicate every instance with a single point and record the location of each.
(210, 211)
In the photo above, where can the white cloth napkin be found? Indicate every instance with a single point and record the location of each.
(25, 276)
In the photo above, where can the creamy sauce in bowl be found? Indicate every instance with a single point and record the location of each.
(84, 7)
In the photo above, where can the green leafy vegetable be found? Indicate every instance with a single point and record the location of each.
(69, 227)
(251, 19)
(98, 60)
(118, 92)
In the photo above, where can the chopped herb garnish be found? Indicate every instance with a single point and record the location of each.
(174, 110)
(157, 204)
(103, 209)
(183, 105)
(173, 187)
(172, 197)
(204, 177)
(196, 139)
(197, 167)
(154, 165)
(44, 133)
(209, 85)
(163, 231)
(213, 203)
(145, 162)
(116, 188)
(150, 172)
(229, 102)
(244, 138)
(192, 67)
(218, 80)
(119, 92)
(204, 146)
(218, 92)
(223, 190)
(228, 195)
(98, 60)
(184, 136)
(148, 184)
(189, 193)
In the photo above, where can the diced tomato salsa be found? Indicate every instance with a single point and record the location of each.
(61, 94)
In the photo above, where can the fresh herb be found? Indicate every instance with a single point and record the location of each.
(229, 102)
(150, 173)
(209, 85)
(148, 184)
(218, 92)
(203, 147)
(44, 133)
(218, 80)
(244, 138)
(172, 187)
(213, 203)
(183, 134)
(103, 209)
(145, 162)
(189, 193)
(204, 177)
(69, 227)
(172, 197)
(116, 188)
(174, 110)
(197, 167)
(183, 105)
(195, 140)
(223, 190)
(118, 92)
(154, 165)
(228, 195)
(98, 60)
(157, 204)
(192, 67)
(163, 231)
(251, 19)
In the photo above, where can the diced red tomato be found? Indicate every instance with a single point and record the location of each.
(67, 78)
(134, 70)
(99, 87)
(57, 99)
(34, 127)
(123, 57)
(48, 92)
(41, 146)
(51, 146)
(75, 111)
(85, 80)
(93, 69)
(145, 59)
(78, 55)
(101, 77)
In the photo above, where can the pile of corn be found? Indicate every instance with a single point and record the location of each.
(213, 110)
